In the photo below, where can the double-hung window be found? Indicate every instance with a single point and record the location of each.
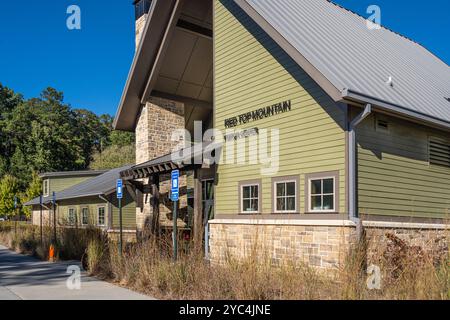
(101, 216)
(85, 216)
(72, 216)
(45, 188)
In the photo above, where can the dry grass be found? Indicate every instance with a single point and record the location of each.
(26, 239)
(407, 272)
(147, 269)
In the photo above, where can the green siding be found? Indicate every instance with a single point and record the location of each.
(394, 174)
(112, 210)
(251, 71)
(90, 202)
(128, 212)
(61, 183)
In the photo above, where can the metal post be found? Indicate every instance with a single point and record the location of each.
(40, 202)
(15, 218)
(175, 231)
(207, 241)
(54, 218)
(120, 226)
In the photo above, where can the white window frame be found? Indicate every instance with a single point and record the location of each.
(274, 186)
(82, 216)
(46, 188)
(74, 210)
(322, 194)
(242, 198)
(98, 216)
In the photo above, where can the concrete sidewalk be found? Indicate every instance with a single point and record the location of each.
(26, 278)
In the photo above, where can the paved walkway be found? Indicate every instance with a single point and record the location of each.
(26, 278)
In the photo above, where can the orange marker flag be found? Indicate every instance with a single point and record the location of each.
(51, 253)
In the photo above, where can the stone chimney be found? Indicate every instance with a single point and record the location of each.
(141, 9)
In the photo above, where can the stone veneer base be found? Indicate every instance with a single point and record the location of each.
(318, 243)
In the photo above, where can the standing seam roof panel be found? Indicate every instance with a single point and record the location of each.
(339, 44)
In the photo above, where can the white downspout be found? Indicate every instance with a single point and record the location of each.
(352, 204)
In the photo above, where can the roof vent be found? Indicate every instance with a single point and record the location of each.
(448, 99)
(390, 82)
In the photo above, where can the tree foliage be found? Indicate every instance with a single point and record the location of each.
(33, 190)
(9, 188)
(113, 156)
(45, 134)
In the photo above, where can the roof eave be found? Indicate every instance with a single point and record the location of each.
(396, 110)
(154, 30)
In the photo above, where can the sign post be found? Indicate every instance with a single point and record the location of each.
(15, 219)
(54, 217)
(174, 196)
(40, 202)
(119, 192)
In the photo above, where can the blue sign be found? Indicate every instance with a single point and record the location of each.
(119, 188)
(175, 188)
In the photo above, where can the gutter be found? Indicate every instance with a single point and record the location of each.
(352, 169)
(398, 110)
(103, 198)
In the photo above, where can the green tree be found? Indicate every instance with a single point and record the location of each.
(113, 157)
(8, 101)
(34, 190)
(122, 138)
(44, 134)
(9, 188)
(91, 132)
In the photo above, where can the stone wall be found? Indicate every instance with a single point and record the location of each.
(140, 24)
(434, 242)
(318, 246)
(158, 120)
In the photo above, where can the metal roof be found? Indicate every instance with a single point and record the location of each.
(96, 186)
(358, 61)
(72, 173)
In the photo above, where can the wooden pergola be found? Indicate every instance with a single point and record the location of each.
(183, 160)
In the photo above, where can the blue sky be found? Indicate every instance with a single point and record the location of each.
(91, 65)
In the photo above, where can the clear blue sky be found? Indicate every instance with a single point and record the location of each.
(91, 65)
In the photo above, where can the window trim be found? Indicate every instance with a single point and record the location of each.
(82, 223)
(321, 176)
(248, 183)
(98, 215)
(68, 216)
(286, 179)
